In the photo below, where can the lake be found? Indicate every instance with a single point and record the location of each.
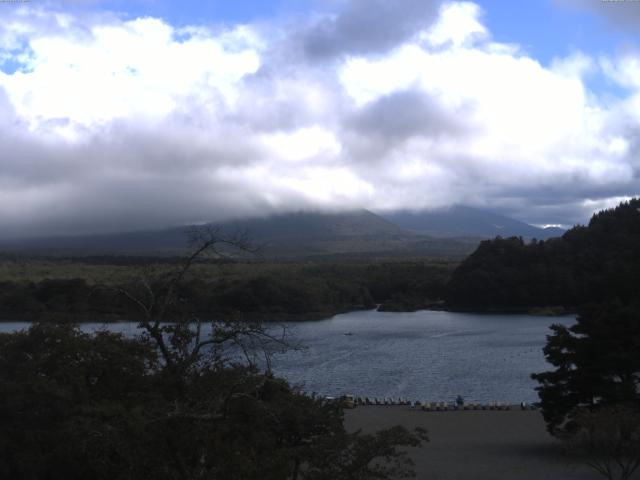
(425, 355)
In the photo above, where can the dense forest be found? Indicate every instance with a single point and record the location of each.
(593, 263)
(173, 402)
(86, 289)
(162, 407)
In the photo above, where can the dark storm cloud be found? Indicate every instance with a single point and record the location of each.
(367, 27)
(631, 131)
(282, 96)
(124, 176)
(112, 203)
(25, 161)
(371, 132)
(404, 114)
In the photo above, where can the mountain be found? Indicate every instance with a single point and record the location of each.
(461, 221)
(315, 225)
(284, 226)
(311, 233)
(299, 234)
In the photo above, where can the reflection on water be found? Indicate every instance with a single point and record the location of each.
(422, 355)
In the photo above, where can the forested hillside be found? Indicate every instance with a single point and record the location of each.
(87, 289)
(593, 263)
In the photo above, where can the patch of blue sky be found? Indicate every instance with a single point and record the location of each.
(14, 60)
(545, 30)
(198, 12)
(605, 88)
(9, 65)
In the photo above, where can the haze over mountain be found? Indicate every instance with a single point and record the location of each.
(292, 234)
(317, 225)
(461, 221)
(450, 232)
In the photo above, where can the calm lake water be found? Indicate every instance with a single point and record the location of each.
(424, 355)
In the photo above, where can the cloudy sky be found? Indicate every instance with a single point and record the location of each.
(125, 115)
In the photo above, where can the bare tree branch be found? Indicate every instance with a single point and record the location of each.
(178, 334)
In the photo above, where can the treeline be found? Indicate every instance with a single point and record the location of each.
(276, 291)
(595, 263)
(105, 407)
(590, 399)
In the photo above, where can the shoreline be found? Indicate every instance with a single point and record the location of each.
(113, 318)
(292, 317)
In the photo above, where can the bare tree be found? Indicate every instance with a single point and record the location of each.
(609, 440)
(177, 330)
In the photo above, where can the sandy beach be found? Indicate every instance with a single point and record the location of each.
(477, 445)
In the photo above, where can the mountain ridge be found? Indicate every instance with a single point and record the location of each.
(460, 220)
(305, 233)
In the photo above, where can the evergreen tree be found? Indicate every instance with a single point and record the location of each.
(597, 364)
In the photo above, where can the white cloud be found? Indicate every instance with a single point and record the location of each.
(458, 24)
(528, 125)
(134, 69)
(111, 123)
(625, 70)
(302, 144)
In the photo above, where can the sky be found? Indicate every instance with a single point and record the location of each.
(131, 115)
